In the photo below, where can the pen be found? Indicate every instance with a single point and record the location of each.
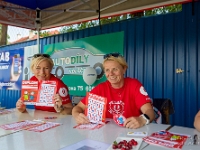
(168, 128)
(50, 117)
(195, 138)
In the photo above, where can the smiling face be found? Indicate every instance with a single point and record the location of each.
(42, 70)
(114, 73)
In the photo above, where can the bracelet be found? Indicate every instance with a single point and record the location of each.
(61, 109)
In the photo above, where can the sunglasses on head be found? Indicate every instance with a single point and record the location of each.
(112, 54)
(41, 55)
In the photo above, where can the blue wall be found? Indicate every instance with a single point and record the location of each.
(154, 48)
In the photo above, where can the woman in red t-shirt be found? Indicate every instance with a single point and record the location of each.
(125, 96)
(41, 66)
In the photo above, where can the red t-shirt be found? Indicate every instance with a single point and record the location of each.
(126, 100)
(62, 90)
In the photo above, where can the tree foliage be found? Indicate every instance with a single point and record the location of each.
(43, 33)
(163, 10)
(4, 37)
(135, 15)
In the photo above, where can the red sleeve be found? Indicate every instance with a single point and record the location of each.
(141, 96)
(63, 91)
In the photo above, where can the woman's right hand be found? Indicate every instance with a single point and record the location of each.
(20, 105)
(81, 119)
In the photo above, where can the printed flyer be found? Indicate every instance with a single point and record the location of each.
(29, 92)
(166, 139)
(47, 90)
(30, 125)
(96, 108)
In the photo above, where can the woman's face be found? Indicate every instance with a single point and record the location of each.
(114, 73)
(42, 71)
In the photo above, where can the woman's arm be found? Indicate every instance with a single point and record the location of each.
(148, 110)
(197, 121)
(137, 122)
(78, 114)
(66, 109)
(20, 106)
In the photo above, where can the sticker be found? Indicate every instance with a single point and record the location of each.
(142, 91)
(119, 119)
(63, 92)
(137, 133)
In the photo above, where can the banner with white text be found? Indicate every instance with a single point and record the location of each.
(15, 67)
(71, 58)
(11, 64)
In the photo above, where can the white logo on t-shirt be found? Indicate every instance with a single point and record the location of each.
(63, 92)
(142, 91)
(116, 107)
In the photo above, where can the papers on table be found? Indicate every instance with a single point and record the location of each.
(5, 111)
(30, 125)
(166, 139)
(90, 126)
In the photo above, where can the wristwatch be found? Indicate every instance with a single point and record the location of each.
(146, 117)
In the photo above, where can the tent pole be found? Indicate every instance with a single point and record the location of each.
(38, 39)
(38, 23)
(99, 14)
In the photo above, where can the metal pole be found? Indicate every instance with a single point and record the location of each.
(38, 23)
(38, 39)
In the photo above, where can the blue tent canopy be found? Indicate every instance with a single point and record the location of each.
(41, 4)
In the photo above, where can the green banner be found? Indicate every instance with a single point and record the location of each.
(71, 58)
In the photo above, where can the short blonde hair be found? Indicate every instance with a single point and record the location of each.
(36, 61)
(118, 59)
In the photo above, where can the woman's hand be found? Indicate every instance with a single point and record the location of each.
(81, 118)
(65, 109)
(20, 106)
(78, 114)
(134, 122)
(58, 103)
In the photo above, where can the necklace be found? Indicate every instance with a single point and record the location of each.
(119, 91)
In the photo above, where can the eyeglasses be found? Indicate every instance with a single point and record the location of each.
(112, 54)
(41, 55)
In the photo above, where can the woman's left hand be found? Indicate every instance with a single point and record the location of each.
(134, 122)
(58, 102)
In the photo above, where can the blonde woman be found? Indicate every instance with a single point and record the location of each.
(125, 96)
(41, 66)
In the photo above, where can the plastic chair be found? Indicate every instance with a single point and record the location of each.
(166, 108)
(76, 100)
